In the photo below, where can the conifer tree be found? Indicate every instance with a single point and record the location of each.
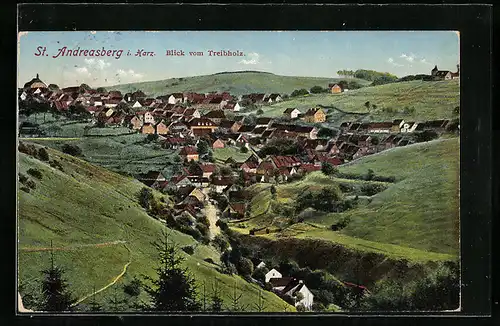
(174, 289)
(94, 305)
(55, 293)
(216, 299)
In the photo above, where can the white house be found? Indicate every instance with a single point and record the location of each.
(148, 118)
(307, 296)
(24, 95)
(137, 105)
(237, 107)
(273, 274)
(292, 113)
(175, 98)
(261, 265)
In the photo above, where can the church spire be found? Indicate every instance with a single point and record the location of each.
(37, 76)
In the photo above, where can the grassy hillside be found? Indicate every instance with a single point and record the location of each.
(429, 99)
(88, 205)
(417, 216)
(237, 83)
(128, 153)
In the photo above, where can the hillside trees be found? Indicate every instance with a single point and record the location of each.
(328, 169)
(299, 92)
(174, 289)
(318, 89)
(55, 293)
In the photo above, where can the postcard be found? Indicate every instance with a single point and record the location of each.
(238, 171)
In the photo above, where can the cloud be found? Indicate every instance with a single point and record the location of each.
(254, 59)
(409, 58)
(99, 64)
(128, 74)
(83, 71)
(392, 62)
(425, 61)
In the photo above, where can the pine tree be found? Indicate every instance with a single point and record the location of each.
(94, 305)
(260, 305)
(216, 299)
(235, 300)
(174, 289)
(55, 293)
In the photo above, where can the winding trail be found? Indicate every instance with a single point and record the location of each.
(116, 279)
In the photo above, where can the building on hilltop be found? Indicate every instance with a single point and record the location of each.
(444, 74)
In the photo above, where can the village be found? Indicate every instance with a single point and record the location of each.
(195, 124)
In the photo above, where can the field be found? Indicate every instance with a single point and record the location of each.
(417, 214)
(222, 154)
(113, 148)
(237, 83)
(98, 230)
(430, 100)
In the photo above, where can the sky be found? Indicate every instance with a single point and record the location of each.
(289, 53)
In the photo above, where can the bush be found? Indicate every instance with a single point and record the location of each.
(245, 266)
(72, 150)
(56, 165)
(244, 149)
(31, 184)
(220, 242)
(43, 155)
(370, 189)
(25, 189)
(35, 173)
(260, 112)
(133, 288)
(145, 197)
(260, 274)
(204, 230)
(426, 135)
(23, 178)
(188, 249)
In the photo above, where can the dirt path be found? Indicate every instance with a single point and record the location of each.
(74, 247)
(211, 212)
(116, 279)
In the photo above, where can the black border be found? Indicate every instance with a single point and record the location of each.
(473, 22)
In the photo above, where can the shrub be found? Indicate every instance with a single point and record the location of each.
(31, 184)
(202, 228)
(245, 266)
(72, 150)
(35, 173)
(260, 111)
(260, 274)
(426, 135)
(56, 165)
(300, 307)
(22, 178)
(25, 189)
(244, 149)
(371, 189)
(133, 288)
(209, 260)
(43, 155)
(145, 197)
(220, 242)
(188, 249)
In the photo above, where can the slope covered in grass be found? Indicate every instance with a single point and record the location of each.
(85, 205)
(416, 216)
(128, 153)
(236, 83)
(421, 210)
(429, 99)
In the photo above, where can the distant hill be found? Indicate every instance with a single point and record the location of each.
(92, 214)
(237, 83)
(423, 100)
